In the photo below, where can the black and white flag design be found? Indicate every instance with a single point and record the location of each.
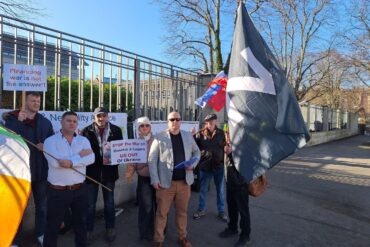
(265, 121)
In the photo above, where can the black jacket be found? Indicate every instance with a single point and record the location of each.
(37, 134)
(234, 180)
(211, 144)
(98, 170)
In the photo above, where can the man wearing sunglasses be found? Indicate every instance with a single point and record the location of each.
(169, 149)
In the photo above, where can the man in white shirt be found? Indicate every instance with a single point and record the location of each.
(66, 186)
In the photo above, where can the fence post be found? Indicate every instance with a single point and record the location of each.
(136, 89)
(325, 119)
(308, 116)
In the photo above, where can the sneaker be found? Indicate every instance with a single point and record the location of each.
(40, 240)
(199, 214)
(110, 234)
(184, 242)
(222, 216)
(242, 242)
(88, 238)
(227, 233)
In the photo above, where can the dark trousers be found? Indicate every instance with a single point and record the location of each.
(147, 207)
(109, 211)
(59, 201)
(39, 192)
(238, 204)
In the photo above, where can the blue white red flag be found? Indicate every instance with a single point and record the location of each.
(215, 96)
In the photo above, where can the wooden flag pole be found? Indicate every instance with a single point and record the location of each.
(23, 100)
(34, 145)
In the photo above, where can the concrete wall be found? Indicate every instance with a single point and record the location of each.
(332, 135)
(328, 136)
(123, 192)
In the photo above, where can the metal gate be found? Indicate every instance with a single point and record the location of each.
(84, 74)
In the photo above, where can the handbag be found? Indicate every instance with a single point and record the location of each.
(257, 186)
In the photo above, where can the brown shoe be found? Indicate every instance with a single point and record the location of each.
(184, 242)
(158, 244)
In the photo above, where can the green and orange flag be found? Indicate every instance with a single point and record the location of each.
(15, 184)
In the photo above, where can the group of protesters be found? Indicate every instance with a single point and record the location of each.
(60, 163)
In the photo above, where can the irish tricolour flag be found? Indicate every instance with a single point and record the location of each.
(15, 184)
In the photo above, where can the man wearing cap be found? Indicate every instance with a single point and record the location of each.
(211, 142)
(145, 191)
(100, 133)
(172, 184)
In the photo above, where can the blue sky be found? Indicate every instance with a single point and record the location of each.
(134, 26)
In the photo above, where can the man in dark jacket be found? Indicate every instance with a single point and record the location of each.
(237, 197)
(100, 133)
(211, 142)
(36, 128)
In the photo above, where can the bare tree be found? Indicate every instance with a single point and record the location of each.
(292, 28)
(357, 37)
(194, 29)
(22, 9)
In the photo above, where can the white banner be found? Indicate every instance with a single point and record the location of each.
(21, 77)
(128, 151)
(159, 126)
(84, 119)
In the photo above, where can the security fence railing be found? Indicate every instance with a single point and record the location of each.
(84, 74)
(320, 118)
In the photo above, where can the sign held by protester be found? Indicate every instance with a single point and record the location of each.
(21, 77)
(128, 151)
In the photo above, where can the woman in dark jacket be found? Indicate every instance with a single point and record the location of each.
(145, 191)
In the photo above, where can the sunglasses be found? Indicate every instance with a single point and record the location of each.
(175, 119)
(144, 125)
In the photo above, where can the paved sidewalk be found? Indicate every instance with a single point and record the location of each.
(318, 197)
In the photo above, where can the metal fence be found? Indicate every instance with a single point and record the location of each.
(319, 118)
(84, 74)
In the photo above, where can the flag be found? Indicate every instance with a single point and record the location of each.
(15, 184)
(265, 121)
(215, 95)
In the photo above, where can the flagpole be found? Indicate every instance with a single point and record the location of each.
(42, 150)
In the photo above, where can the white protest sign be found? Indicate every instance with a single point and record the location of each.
(159, 126)
(128, 151)
(21, 77)
(84, 119)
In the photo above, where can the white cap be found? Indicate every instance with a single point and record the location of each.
(143, 120)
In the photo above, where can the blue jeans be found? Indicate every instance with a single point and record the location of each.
(204, 178)
(109, 211)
